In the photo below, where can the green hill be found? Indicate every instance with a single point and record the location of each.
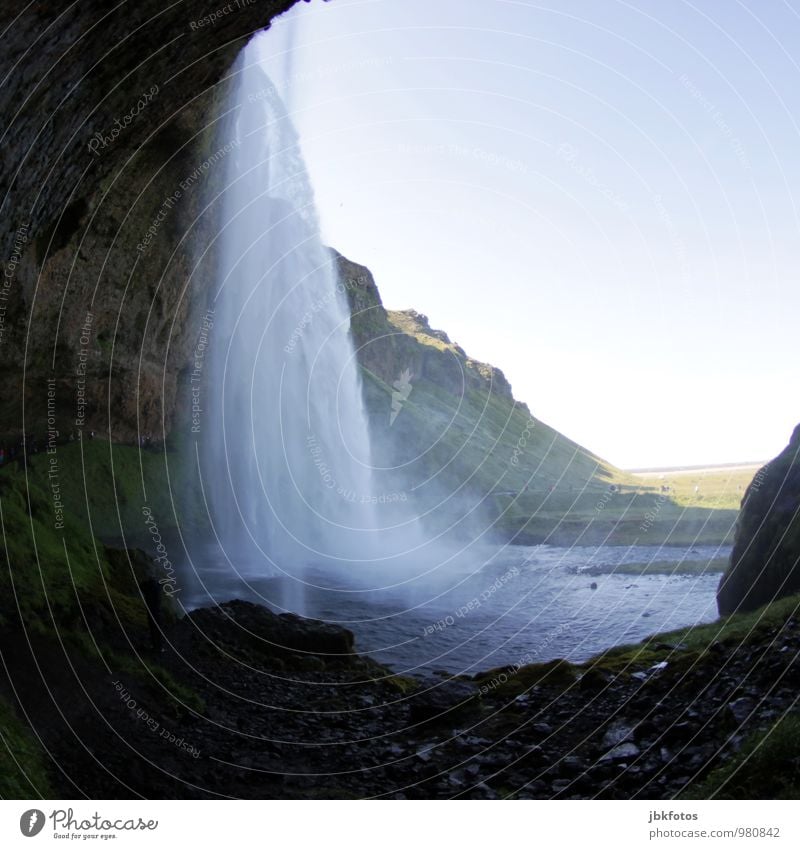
(444, 424)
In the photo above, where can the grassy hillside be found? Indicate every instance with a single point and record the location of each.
(448, 425)
(67, 599)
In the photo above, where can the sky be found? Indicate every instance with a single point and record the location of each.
(598, 197)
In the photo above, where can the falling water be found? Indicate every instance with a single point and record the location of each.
(285, 459)
(289, 441)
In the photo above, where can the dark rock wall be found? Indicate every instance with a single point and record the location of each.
(765, 563)
(106, 111)
(110, 151)
(386, 347)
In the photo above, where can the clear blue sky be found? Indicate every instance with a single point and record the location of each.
(598, 197)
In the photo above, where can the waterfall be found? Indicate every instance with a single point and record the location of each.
(286, 458)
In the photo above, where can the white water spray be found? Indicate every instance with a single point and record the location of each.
(286, 461)
(289, 443)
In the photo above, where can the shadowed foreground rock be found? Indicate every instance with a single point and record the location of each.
(226, 714)
(764, 562)
(106, 117)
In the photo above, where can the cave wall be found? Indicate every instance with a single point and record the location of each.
(107, 111)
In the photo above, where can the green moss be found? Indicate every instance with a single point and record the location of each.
(402, 683)
(172, 696)
(23, 762)
(767, 767)
(51, 575)
(686, 645)
(55, 571)
(734, 629)
(48, 573)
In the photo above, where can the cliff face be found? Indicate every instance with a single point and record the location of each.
(106, 126)
(444, 421)
(105, 317)
(765, 562)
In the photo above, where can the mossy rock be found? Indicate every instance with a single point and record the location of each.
(404, 684)
(56, 573)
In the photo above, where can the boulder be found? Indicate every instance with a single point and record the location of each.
(622, 752)
(765, 561)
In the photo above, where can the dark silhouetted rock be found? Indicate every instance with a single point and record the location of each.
(441, 701)
(766, 552)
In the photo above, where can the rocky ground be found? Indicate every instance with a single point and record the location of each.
(247, 704)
